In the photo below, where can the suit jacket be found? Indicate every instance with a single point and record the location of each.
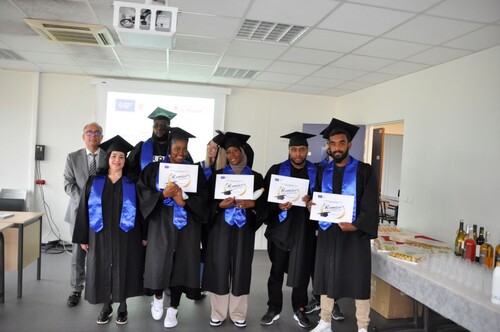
(76, 173)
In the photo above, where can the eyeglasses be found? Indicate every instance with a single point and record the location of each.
(89, 133)
(160, 126)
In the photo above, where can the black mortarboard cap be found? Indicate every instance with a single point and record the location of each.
(116, 143)
(218, 138)
(297, 138)
(231, 139)
(338, 126)
(162, 113)
(176, 132)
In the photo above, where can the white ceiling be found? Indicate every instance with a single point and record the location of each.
(349, 45)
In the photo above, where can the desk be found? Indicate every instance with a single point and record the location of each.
(466, 307)
(2, 262)
(26, 235)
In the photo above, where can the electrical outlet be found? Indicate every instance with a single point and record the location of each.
(39, 152)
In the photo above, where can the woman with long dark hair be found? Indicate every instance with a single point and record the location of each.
(108, 228)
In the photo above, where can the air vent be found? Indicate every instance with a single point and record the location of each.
(6, 54)
(270, 32)
(74, 33)
(235, 73)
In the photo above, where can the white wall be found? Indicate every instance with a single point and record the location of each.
(68, 102)
(451, 116)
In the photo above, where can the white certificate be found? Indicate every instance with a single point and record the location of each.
(332, 207)
(239, 186)
(183, 175)
(283, 189)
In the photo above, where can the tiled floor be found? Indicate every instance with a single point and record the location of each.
(43, 306)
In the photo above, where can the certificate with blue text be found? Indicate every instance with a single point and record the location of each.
(239, 186)
(284, 189)
(183, 175)
(332, 207)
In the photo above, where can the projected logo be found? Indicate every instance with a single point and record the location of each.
(125, 105)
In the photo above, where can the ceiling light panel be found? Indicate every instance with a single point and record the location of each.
(270, 32)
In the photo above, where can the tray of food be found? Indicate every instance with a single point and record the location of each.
(407, 256)
(431, 245)
(383, 245)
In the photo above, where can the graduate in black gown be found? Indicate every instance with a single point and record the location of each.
(108, 228)
(155, 147)
(343, 254)
(231, 236)
(291, 235)
(174, 232)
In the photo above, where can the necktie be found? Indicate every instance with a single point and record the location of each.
(93, 165)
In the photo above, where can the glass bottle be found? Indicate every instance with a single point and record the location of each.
(470, 247)
(486, 253)
(466, 236)
(459, 239)
(479, 242)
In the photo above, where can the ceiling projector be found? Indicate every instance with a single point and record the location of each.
(145, 25)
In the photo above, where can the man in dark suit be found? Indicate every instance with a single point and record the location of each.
(79, 166)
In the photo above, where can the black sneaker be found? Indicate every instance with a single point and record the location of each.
(104, 316)
(302, 319)
(312, 306)
(74, 298)
(269, 317)
(122, 318)
(215, 322)
(337, 314)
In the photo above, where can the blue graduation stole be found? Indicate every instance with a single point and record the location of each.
(348, 185)
(180, 214)
(206, 170)
(286, 170)
(127, 218)
(233, 215)
(147, 153)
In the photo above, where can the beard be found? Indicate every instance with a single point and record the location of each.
(161, 139)
(341, 158)
(297, 164)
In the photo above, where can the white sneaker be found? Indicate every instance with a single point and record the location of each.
(363, 330)
(322, 327)
(170, 318)
(157, 308)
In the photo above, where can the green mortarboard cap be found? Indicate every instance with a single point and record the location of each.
(297, 138)
(338, 126)
(116, 143)
(162, 113)
(231, 139)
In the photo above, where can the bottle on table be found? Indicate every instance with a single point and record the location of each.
(470, 247)
(466, 236)
(495, 285)
(486, 253)
(479, 242)
(459, 239)
(474, 232)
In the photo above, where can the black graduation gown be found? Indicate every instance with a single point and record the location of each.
(115, 261)
(134, 157)
(172, 255)
(343, 259)
(295, 234)
(230, 249)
